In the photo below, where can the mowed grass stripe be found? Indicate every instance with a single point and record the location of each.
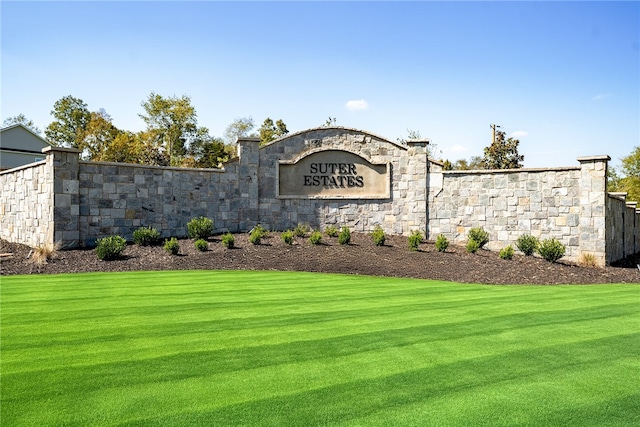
(184, 348)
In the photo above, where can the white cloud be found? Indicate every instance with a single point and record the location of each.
(457, 148)
(601, 96)
(356, 104)
(519, 134)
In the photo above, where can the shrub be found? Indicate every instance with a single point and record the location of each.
(331, 231)
(378, 236)
(146, 236)
(551, 250)
(110, 248)
(506, 252)
(345, 236)
(200, 228)
(479, 235)
(316, 238)
(287, 237)
(415, 238)
(228, 240)
(43, 253)
(201, 245)
(172, 246)
(256, 235)
(442, 243)
(527, 244)
(473, 246)
(300, 230)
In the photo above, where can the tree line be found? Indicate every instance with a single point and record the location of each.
(173, 138)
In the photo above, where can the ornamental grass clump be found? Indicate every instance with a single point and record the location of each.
(146, 236)
(257, 234)
(442, 243)
(331, 231)
(228, 240)
(172, 246)
(378, 236)
(415, 238)
(479, 235)
(43, 253)
(200, 228)
(506, 252)
(551, 250)
(110, 248)
(287, 237)
(316, 238)
(527, 244)
(344, 238)
(201, 245)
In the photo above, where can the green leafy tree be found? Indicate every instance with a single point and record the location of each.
(462, 164)
(502, 153)
(71, 119)
(207, 151)
(270, 131)
(98, 135)
(171, 122)
(240, 128)
(629, 179)
(21, 119)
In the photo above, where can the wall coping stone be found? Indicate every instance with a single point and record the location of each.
(600, 157)
(27, 166)
(138, 165)
(618, 195)
(497, 171)
(61, 149)
(324, 128)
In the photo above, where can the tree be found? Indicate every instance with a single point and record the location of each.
(462, 164)
(98, 135)
(502, 154)
(270, 131)
(240, 128)
(171, 122)
(72, 118)
(629, 181)
(21, 119)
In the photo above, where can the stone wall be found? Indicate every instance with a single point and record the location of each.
(74, 202)
(562, 203)
(404, 210)
(26, 204)
(622, 227)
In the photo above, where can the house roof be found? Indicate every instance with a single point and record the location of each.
(27, 129)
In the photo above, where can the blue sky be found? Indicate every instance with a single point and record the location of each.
(563, 77)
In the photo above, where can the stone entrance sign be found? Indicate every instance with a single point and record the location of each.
(333, 174)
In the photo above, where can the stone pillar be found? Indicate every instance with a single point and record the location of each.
(249, 162)
(66, 194)
(593, 193)
(417, 194)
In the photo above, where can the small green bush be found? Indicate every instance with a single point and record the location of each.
(527, 244)
(415, 238)
(257, 234)
(442, 243)
(172, 246)
(473, 246)
(228, 240)
(331, 231)
(300, 230)
(378, 236)
(479, 235)
(200, 228)
(110, 248)
(345, 236)
(146, 236)
(287, 237)
(506, 252)
(316, 238)
(551, 250)
(201, 245)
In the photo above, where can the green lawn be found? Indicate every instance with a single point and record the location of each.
(287, 349)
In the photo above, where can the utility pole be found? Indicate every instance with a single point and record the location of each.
(493, 132)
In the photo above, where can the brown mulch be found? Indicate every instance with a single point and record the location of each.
(394, 259)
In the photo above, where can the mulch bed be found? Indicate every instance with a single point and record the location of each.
(394, 259)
